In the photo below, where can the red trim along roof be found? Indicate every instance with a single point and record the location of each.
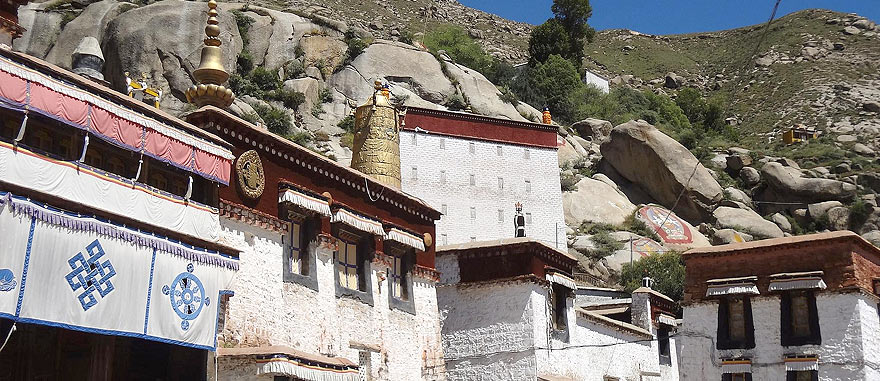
(480, 127)
(47, 91)
(781, 243)
(269, 143)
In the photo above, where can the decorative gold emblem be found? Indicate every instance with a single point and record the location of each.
(428, 240)
(251, 180)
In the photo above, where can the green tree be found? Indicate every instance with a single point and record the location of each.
(459, 46)
(547, 39)
(557, 83)
(666, 269)
(573, 15)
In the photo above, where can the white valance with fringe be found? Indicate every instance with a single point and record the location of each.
(562, 280)
(801, 364)
(305, 201)
(736, 366)
(305, 370)
(405, 238)
(797, 281)
(358, 221)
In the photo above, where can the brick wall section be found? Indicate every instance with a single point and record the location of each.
(847, 260)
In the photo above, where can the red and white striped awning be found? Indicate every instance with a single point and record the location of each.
(28, 90)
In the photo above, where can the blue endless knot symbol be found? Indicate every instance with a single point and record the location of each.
(187, 296)
(90, 275)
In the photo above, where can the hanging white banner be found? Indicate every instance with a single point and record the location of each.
(78, 272)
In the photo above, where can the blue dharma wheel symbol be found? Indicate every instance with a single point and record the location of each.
(187, 296)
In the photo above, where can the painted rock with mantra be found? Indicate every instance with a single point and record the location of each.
(674, 232)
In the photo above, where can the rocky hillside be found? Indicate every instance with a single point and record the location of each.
(815, 67)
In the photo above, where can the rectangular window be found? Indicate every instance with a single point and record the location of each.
(500, 215)
(442, 143)
(800, 319)
(347, 265)
(528, 186)
(807, 375)
(415, 173)
(471, 147)
(442, 177)
(500, 150)
(473, 213)
(528, 218)
(444, 209)
(526, 154)
(663, 345)
(414, 140)
(444, 239)
(735, 327)
(399, 284)
(473, 179)
(500, 183)
(297, 260)
(558, 306)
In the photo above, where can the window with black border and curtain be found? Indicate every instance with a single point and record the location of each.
(736, 329)
(799, 319)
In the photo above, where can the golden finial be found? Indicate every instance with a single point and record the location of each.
(547, 118)
(376, 146)
(211, 75)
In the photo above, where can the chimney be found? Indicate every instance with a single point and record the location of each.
(88, 60)
(9, 28)
(376, 150)
(211, 75)
(641, 305)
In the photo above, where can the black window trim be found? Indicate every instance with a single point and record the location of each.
(791, 375)
(815, 336)
(407, 305)
(307, 236)
(729, 376)
(365, 258)
(723, 334)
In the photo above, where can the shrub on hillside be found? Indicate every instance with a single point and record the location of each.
(276, 120)
(666, 269)
(265, 79)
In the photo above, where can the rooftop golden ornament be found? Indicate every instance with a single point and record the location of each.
(211, 75)
(376, 149)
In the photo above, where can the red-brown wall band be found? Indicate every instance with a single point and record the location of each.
(483, 128)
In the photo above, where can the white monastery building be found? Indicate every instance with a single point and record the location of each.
(475, 169)
(798, 308)
(510, 314)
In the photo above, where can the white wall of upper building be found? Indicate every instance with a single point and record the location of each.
(438, 169)
(268, 311)
(848, 323)
(594, 79)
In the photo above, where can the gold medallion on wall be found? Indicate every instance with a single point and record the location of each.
(251, 179)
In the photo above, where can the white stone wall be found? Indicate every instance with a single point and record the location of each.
(268, 311)
(488, 331)
(543, 201)
(591, 78)
(501, 332)
(849, 326)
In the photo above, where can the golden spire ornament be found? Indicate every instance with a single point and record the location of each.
(211, 75)
(376, 148)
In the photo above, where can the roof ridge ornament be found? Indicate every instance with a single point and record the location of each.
(211, 75)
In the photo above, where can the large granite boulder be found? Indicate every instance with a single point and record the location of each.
(597, 130)
(41, 29)
(663, 168)
(746, 220)
(789, 184)
(484, 97)
(595, 201)
(92, 22)
(164, 40)
(406, 66)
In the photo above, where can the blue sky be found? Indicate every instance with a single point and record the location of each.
(673, 16)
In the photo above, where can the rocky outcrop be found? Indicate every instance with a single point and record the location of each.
(92, 22)
(663, 169)
(597, 130)
(483, 96)
(595, 201)
(410, 68)
(746, 220)
(787, 183)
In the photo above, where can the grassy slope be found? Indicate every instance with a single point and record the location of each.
(775, 101)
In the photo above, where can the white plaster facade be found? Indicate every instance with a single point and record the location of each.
(268, 311)
(501, 331)
(594, 79)
(849, 326)
(438, 169)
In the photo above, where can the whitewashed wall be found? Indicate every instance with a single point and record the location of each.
(591, 78)
(501, 332)
(267, 311)
(543, 201)
(849, 325)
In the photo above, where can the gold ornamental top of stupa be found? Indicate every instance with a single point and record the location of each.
(210, 76)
